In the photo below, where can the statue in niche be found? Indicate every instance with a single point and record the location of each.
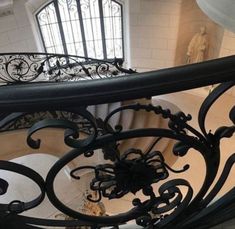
(197, 47)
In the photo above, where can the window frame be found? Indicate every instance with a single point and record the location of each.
(104, 46)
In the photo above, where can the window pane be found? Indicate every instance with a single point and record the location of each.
(118, 48)
(56, 34)
(71, 25)
(77, 31)
(91, 49)
(47, 15)
(71, 49)
(59, 49)
(113, 28)
(110, 48)
(50, 29)
(82, 31)
(99, 49)
(68, 10)
(79, 49)
(92, 27)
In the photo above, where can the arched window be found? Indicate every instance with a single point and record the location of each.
(90, 28)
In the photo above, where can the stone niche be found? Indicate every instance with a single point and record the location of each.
(191, 19)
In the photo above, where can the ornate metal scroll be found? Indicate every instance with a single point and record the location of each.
(168, 202)
(40, 67)
(23, 120)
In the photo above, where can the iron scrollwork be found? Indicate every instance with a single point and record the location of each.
(40, 67)
(169, 202)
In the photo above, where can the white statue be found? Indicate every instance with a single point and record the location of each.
(198, 47)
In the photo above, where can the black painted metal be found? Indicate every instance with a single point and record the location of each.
(44, 67)
(64, 105)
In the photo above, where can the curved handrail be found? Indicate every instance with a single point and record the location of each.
(55, 95)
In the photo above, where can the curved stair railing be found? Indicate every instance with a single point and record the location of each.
(174, 203)
(41, 67)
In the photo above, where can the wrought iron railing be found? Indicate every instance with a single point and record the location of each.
(123, 172)
(41, 67)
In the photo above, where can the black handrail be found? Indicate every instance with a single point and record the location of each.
(47, 95)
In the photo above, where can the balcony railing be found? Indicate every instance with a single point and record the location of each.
(32, 84)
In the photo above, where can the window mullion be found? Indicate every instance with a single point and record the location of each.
(102, 28)
(82, 28)
(60, 26)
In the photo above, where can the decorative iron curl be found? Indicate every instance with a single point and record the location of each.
(18, 206)
(71, 134)
(177, 122)
(41, 67)
(24, 120)
(134, 171)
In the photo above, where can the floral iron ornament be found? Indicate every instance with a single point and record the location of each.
(128, 175)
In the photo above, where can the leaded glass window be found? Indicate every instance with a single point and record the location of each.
(90, 28)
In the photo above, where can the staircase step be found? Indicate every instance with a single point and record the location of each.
(101, 111)
(151, 121)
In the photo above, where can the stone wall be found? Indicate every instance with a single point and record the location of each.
(153, 33)
(16, 33)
